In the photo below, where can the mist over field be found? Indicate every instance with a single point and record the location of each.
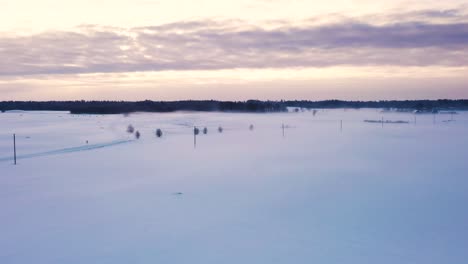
(331, 189)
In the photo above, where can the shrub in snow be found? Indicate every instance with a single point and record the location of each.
(137, 135)
(205, 130)
(159, 132)
(196, 131)
(251, 127)
(130, 129)
(220, 129)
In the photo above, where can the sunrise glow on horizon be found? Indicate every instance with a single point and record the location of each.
(233, 50)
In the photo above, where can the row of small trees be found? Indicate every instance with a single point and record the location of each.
(159, 133)
(196, 130)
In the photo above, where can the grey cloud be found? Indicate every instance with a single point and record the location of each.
(196, 45)
(350, 35)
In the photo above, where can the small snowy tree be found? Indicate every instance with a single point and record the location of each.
(130, 129)
(159, 132)
(205, 130)
(137, 135)
(220, 129)
(196, 131)
(251, 127)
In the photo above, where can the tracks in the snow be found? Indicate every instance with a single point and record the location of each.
(68, 150)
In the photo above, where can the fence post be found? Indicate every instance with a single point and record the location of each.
(14, 147)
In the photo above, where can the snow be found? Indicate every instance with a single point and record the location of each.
(366, 194)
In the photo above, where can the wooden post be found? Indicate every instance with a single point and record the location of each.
(433, 119)
(415, 119)
(382, 121)
(341, 125)
(283, 129)
(14, 147)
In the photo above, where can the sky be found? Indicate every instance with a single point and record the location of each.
(233, 50)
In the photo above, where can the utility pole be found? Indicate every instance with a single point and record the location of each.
(195, 133)
(14, 147)
(194, 137)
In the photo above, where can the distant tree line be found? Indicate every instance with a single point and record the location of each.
(255, 106)
(119, 107)
(440, 104)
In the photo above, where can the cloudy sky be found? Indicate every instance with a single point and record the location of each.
(233, 50)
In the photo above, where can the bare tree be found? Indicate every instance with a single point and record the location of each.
(130, 129)
(137, 134)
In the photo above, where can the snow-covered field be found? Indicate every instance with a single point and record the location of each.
(368, 193)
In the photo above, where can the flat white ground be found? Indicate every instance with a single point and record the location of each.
(366, 194)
